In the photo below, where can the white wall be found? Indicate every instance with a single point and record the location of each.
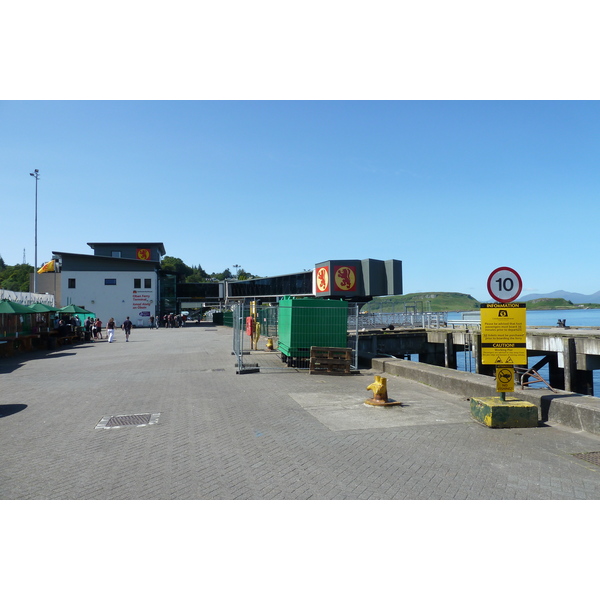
(118, 301)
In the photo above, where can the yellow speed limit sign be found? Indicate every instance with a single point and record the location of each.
(505, 379)
(503, 334)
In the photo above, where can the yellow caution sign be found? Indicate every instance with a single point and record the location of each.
(505, 379)
(504, 334)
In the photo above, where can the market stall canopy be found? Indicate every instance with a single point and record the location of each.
(72, 308)
(42, 308)
(7, 307)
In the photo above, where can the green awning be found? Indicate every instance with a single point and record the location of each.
(38, 307)
(7, 307)
(72, 308)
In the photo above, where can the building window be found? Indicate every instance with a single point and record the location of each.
(137, 284)
(116, 254)
(110, 282)
(148, 283)
(72, 283)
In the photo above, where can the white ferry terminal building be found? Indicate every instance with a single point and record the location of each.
(119, 280)
(124, 279)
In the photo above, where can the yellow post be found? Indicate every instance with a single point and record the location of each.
(255, 326)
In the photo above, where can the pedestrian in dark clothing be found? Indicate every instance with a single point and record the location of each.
(127, 325)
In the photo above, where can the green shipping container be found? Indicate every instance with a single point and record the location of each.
(306, 322)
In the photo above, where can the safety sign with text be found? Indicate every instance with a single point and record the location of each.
(503, 334)
(505, 379)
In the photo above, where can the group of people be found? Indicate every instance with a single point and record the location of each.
(171, 320)
(72, 321)
(94, 327)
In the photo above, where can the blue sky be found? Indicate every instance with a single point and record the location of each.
(454, 189)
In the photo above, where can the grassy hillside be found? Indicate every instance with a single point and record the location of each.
(427, 301)
(555, 304)
(549, 304)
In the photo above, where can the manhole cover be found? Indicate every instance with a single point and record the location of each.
(116, 421)
(591, 457)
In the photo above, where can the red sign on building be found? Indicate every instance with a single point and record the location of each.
(345, 279)
(323, 279)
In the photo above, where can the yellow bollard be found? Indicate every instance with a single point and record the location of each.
(380, 394)
(379, 388)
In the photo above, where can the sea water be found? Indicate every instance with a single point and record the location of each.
(548, 318)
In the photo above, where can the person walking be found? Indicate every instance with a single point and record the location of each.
(151, 322)
(98, 326)
(127, 325)
(88, 329)
(110, 329)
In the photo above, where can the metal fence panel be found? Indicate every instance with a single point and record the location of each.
(430, 320)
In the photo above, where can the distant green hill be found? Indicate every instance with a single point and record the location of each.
(556, 304)
(423, 302)
(549, 304)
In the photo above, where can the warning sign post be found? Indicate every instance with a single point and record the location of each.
(505, 379)
(504, 334)
(504, 344)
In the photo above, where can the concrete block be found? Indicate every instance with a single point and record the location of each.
(497, 413)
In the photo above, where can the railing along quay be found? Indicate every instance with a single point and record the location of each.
(429, 320)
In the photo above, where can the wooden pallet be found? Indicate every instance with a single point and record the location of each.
(330, 361)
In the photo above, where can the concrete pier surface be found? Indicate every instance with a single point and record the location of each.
(207, 433)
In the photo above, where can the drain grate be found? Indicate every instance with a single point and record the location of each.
(116, 421)
(128, 420)
(591, 457)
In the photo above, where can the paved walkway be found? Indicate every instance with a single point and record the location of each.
(269, 435)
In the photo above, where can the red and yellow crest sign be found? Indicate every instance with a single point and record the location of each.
(323, 279)
(345, 279)
(143, 254)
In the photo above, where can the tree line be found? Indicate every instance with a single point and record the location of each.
(16, 277)
(196, 274)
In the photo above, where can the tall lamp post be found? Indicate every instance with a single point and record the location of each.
(36, 174)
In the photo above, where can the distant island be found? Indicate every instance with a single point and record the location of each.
(457, 302)
(556, 304)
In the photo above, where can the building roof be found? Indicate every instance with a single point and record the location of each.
(98, 257)
(159, 245)
(124, 263)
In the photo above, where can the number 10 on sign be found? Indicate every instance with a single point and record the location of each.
(504, 284)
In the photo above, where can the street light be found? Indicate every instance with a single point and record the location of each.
(36, 174)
